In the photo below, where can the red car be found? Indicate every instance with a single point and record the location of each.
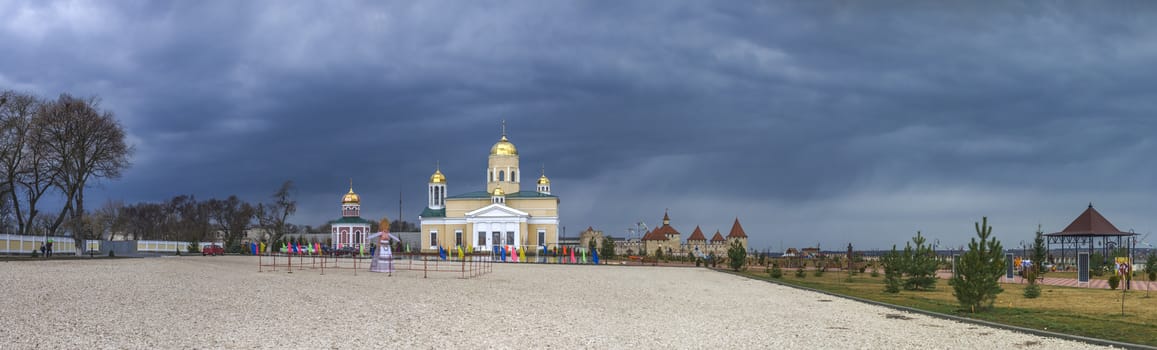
(212, 250)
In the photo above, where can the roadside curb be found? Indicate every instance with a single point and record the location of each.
(1043, 333)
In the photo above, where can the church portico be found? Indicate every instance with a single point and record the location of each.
(498, 225)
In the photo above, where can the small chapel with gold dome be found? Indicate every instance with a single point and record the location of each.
(502, 215)
(350, 230)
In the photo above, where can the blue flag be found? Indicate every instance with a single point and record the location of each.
(502, 252)
(441, 253)
(253, 248)
(595, 256)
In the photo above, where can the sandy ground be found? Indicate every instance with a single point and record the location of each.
(223, 302)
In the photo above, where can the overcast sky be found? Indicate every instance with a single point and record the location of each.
(812, 122)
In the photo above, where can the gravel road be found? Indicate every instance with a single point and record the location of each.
(223, 302)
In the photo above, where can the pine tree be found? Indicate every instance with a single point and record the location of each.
(775, 272)
(919, 265)
(608, 251)
(1151, 268)
(1038, 262)
(893, 265)
(977, 280)
(736, 255)
(1097, 265)
(1039, 253)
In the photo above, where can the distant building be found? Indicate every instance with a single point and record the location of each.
(667, 239)
(585, 238)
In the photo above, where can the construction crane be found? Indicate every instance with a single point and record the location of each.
(637, 232)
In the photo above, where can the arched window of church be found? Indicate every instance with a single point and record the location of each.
(501, 175)
(514, 175)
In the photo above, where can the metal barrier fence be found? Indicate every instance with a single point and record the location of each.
(468, 266)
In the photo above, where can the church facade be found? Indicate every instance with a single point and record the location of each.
(502, 215)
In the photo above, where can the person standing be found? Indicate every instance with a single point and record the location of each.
(49, 248)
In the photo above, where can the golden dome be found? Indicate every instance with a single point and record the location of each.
(503, 148)
(351, 198)
(499, 192)
(542, 180)
(438, 178)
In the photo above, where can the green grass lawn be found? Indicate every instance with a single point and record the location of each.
(1080, 311)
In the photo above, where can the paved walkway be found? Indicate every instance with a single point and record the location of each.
(1067, 282)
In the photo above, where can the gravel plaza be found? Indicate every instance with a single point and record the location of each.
(224, 302)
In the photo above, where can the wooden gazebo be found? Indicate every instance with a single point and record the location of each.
(1089, 231)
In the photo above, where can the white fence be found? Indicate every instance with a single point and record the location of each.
(17, 244)
(170, 246)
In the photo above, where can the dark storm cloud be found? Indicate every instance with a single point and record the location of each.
(843, 121)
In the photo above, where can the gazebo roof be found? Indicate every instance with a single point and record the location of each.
(1091, 223)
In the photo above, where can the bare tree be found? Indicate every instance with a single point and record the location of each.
(84, 143)
(273, 216)
(15, 115)
(144, 220)
(191, 219)
(103, 221)
(232, 216)
(7, 217)
(26, 171)
(107, 221)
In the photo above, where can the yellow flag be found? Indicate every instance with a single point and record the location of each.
(460, 255)
(262, 248)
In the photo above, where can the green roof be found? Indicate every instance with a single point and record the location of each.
(350, 220)
(433, 213)
(484, 194)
